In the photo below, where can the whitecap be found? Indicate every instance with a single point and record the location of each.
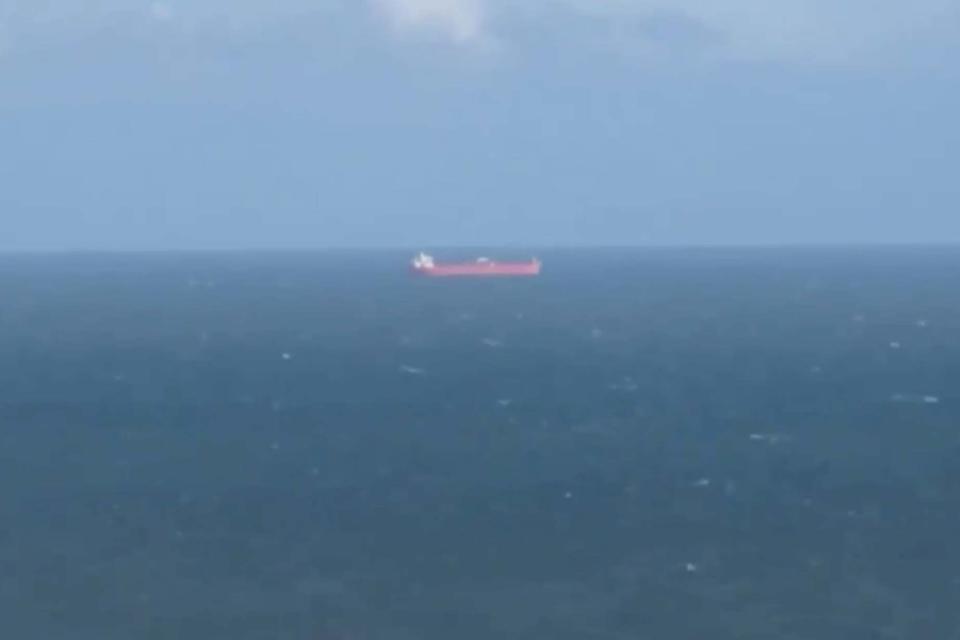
(912, 398)
(768, 438)
(414, 371)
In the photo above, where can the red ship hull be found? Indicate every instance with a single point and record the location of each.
(479, 269)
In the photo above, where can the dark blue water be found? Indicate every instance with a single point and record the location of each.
(724, 444)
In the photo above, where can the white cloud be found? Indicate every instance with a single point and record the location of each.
(795, 31)
(161, 11)
(462, 21)
(807, 31)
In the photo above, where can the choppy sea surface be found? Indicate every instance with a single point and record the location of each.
(647, 444)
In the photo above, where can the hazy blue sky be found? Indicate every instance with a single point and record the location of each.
(296, 123)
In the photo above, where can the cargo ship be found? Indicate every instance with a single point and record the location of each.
(425, 265)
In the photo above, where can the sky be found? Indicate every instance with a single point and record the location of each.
(241, 124)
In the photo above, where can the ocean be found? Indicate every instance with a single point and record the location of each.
(655, 444)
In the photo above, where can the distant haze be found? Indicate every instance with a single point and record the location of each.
(327, 123)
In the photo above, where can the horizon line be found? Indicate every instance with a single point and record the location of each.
(945, 244)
